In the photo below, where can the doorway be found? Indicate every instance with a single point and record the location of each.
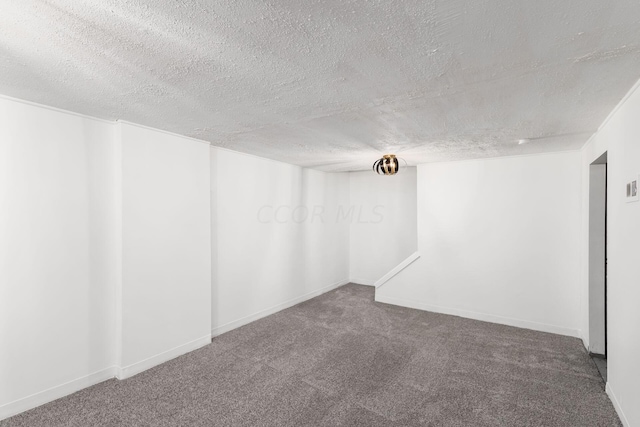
(598, 263)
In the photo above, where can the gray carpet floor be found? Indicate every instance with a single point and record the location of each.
(343, 359)
(601, 364)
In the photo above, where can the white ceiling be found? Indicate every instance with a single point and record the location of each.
(332, 84)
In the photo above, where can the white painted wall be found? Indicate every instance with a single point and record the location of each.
(105, 238)
(383, 228)
(105, 251)
(620, 138)
(56, 254)
(499, 241)
(278, 236)
(106, 248)
(165, 290)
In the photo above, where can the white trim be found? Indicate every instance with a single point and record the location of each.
(148, 363)
(29, 402)
(217, 147)
(166, 132)
(57, 110)
(219, 330)
(590, 139)
(619, 105)
(510, 156)
(475, 159)
(397, 269)
(617, 406)
(542, 327)
(613, 112)
(584, 338)
(116, 121)
(255, 156)
(364, 282)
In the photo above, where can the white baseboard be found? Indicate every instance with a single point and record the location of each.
(219, 330)
(585, 340)
(124, 372)
(542, 327)
(365, 282)
(616, 405)
(53, 393)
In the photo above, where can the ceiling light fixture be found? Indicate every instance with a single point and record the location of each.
(387, 165)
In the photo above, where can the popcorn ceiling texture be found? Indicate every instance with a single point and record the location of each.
(332, 84)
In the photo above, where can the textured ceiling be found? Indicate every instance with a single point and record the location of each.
(332, 84)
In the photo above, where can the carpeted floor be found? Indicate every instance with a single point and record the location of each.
(601, 364)
(342, 359)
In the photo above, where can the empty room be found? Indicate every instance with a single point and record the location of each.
(320, 213)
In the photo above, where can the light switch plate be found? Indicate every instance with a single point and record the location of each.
(632, 190)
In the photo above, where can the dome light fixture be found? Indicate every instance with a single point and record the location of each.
(387, 165)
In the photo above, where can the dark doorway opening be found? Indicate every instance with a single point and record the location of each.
(598, 263)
